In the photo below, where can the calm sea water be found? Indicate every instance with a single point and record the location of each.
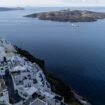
(77, 54)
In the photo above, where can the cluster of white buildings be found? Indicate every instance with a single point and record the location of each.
(23, 79)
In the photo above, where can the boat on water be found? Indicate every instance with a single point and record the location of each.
(74, 25)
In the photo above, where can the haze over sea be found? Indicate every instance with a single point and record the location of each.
(76, 54)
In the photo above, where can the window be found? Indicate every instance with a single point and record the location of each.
(2, 68)
(1, 94)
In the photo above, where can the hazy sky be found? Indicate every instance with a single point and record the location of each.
(51, 2)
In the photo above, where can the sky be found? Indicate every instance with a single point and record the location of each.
(47, 3)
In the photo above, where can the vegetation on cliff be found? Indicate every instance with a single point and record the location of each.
(59, 87)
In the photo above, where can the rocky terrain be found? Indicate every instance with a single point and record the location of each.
(69, 16)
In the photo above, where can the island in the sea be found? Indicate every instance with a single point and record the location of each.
(69, 15)
(9, 9)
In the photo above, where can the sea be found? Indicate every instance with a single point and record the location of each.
(75, 54)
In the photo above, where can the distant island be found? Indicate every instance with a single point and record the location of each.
(69, 16)
(9, 9)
